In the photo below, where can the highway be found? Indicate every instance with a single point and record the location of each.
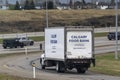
(20, 65)
(102, 45)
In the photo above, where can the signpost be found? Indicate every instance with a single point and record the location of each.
(47, 13)
(33, 64)
(26, 52)
(116, 51)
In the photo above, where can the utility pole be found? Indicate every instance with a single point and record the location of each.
(116, 9)
(54, 3)
(47, 13)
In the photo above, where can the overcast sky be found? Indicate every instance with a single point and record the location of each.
(63, 1)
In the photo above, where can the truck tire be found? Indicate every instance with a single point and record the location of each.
(81, 70)
(21, 46)
(31, 43)
(4, 47)
(109, 38)
(42, 66)
(15, 46)
(11, 47)
(60, 67)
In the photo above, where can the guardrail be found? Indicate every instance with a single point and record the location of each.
(31, 34)
(14, 35)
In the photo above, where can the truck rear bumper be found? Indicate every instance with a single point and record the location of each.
(81, 61)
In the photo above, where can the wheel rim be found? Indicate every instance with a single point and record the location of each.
(57, 68)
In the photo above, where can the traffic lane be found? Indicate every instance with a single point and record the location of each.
(35, 47)
(103, 41)
(70, 75)
(20, 66)
(106, 49)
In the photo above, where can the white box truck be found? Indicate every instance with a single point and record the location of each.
(68, 48)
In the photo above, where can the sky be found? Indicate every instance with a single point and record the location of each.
(63, 1)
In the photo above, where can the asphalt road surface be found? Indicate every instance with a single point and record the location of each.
(20, 65)
(102, 45)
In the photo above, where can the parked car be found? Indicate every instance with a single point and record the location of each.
(25, 40)
(12, 43)
(111, 35)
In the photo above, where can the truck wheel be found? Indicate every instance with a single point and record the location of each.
(60, 67)
(22, 46)
(109, 38)
(11, 47)
(81, 70)
(31, 43)
(4, 47)
(118, 38)
(43, 66)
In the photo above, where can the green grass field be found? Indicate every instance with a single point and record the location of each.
(107, 64)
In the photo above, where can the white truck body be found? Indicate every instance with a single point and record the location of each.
(54, 43)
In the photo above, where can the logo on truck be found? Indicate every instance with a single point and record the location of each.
(53, 39)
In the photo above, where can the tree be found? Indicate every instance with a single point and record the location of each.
(83, 1)
(32, 5)
(112, 1)
(27, 5)
(50, 5)
(17, 6)
(71, 4)
(7, 3)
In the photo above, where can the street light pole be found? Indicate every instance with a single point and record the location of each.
(47, 13)
(116, 24)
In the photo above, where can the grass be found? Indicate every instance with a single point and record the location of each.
(107, 64)
(9, 77)
(40, 38)
(34, 20)
(101, 34)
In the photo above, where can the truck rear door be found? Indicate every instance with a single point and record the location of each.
(79, 44)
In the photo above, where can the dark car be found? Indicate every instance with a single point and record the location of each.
(111, 35)
(12, 43)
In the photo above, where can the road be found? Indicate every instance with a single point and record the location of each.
(20, 65)
(19, 50)
(33, 34)
(102, 45)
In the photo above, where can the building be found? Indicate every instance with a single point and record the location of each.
(4, 5)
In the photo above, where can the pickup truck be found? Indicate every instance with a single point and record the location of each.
(12, 43)
(111, 35)
(25, 40)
